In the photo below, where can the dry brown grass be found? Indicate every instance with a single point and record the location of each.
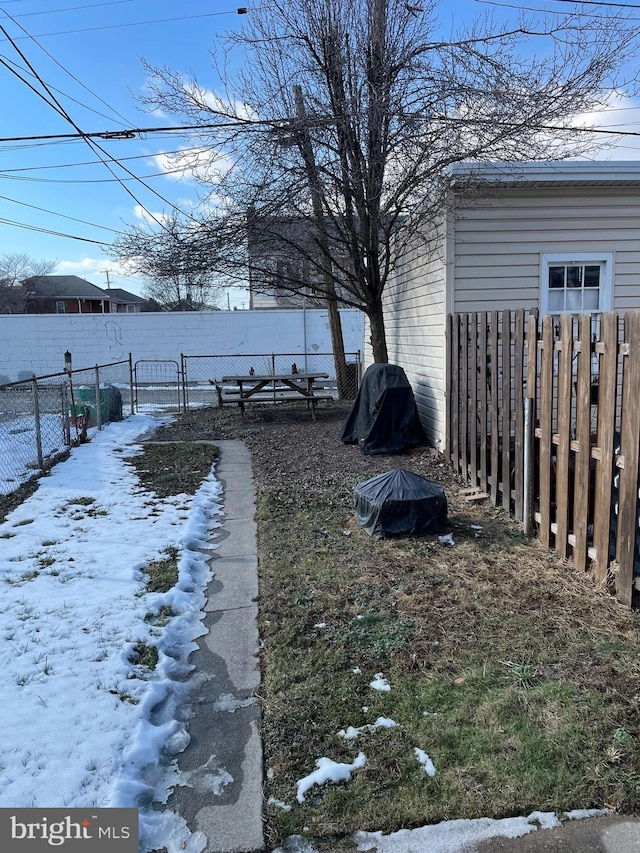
(530, 673)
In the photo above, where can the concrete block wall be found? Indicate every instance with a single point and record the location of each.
(36, 343)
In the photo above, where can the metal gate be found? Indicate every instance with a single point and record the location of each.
(156, 386)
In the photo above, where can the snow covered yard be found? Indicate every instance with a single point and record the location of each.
(89, 656)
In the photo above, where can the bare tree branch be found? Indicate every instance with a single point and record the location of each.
(389, 108)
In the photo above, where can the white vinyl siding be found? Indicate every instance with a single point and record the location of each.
(500, 241)
(490, 259)
(415, 299)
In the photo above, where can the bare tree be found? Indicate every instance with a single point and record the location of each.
(388, 106)
(178, 266)
(15, 268)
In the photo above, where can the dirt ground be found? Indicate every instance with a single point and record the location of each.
(287, 446)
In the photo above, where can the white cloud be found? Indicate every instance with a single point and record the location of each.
(187, 164)
(207, 98)
(619, 112)
(94, 270)
(149, 217)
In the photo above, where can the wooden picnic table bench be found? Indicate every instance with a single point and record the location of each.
(271, 388)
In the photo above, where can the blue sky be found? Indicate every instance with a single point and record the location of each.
(100, 43)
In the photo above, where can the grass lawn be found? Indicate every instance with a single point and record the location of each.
(516, 676)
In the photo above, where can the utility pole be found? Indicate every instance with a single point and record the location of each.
(106, 272)
(335, 323)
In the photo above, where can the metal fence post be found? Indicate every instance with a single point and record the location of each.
(36, 417)
(66, 422)
(98, 406)
(183, 371)
(131, 382)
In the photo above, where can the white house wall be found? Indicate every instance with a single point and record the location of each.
(415, 327)
(499, 242)
(36, 343)
(491, 261)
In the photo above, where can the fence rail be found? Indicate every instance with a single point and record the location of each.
(41, 417)
(544, 417)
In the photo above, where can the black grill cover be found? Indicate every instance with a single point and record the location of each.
(400, 503)
(384, 417)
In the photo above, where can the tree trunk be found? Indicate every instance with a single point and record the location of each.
(378, 336)
(335, 325)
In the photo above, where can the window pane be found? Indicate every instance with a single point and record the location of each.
(592, 276)
(556, 276)
(556, 301)
(573, 277)
(591, 300)
(574, 300)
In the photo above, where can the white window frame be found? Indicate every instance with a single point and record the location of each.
(567, 258)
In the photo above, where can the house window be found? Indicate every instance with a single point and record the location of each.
(576, 284)
(131, 309)
(61, 307)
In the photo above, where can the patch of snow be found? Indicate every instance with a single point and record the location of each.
(447, 539)
(452, 836)
(328, 771)
(381, 723)
(380, 683)
(582, 814)
(356, 670)
(228, 702)
(426, 762)
(278, 804)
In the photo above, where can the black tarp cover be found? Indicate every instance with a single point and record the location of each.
(384, 417)
(400, 503)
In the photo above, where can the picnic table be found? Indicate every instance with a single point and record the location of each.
(271, 388)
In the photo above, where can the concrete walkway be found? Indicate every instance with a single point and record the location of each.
(615, 834)
(222, 765)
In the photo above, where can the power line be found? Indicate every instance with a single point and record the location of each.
(521, 8)
(241, 10)
(134, 131)
(10, 172)
(61, 215)
(70, 8)
(57, 106)
(53, 233)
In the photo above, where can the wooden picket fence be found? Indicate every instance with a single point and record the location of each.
(543, 417)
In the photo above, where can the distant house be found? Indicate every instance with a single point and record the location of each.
(65, 294)
(123, 302)
(285, 263)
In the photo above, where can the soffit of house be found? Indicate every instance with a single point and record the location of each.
(64, 287)
(568, 173)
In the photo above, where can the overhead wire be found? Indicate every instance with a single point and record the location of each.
(241, 10)
(99, 162)
(55, 104)
(4, 221)
(61, 215)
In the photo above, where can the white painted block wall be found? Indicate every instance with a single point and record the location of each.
(36, 343)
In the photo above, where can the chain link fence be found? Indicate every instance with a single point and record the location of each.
(41, 417)
(201, 373)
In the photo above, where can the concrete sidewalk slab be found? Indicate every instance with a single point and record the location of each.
(610, 834)
(222, 765)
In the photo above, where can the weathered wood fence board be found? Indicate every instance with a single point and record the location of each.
(581, 385)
